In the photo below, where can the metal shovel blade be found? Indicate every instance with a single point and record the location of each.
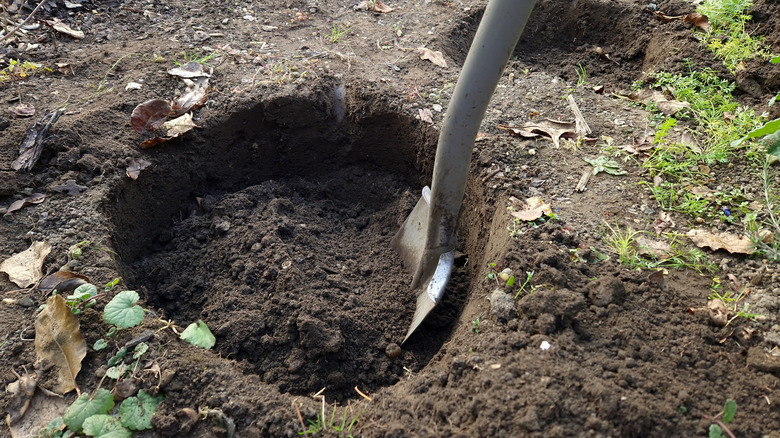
(428, 280)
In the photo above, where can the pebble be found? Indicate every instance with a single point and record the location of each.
(393, 350)
(26, 302)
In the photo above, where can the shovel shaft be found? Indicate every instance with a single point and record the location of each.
(496, 38)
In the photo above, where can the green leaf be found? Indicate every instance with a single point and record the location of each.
(140, 349)
(122, 312)
(775, 60)
(83, 292)
(105, 426)
(85, 407)
(198, 334)
(729, 410)
(136, 412)
(770, 127)
(715, 431)
(51, 430)
(115, 359)
(100, 344)
(604, 164)
(772, 143)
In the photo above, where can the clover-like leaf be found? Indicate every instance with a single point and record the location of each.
(100, 344)
(105, 426)
(83, 292)
(136, 412)
(604, 164)
(198, 334)
(729, 410)
(122, 311)
(85, 407)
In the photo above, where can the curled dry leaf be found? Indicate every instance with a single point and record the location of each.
(171, 129)
(718, 313)
(135, 167)
(63, 28)
(59, 344)
(655, 248)
(35, 198)
(375, 6)
(663, 223)
(551, 128)
(65, 68)
(189, 70)
(435, 57)
(665, 104)
(727, 241)
(533, 208)
(62, 281)
(149, 115)
(193, 98)
(22, 110)
(426, 115)
(699, 20)
(24, 268)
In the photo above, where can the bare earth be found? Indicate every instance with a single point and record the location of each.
(271, 223)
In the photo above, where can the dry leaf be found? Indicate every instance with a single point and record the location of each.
(435, 57)
(22, 391)
(698, 20)
(65, 68)
(24, 269)
(671, 107)
(189, 70)
(533, 209)
(35, 198)
(642, 147)
(666, 18)
(730, 242)
(171, 129)
(375, 6)
(663, 223)
(193, 98)
(135, 167)
(63, 281)
(33, 143)
(718, 313)
(658, 249)
(666, 105)
(59, 344)
(550, 128)
(426, 115)
(63, 28)
(22, 110)
(70, 187)
(149, 115)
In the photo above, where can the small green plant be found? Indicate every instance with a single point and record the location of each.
(475, 326)
(337, 32)
(582, 75)
(340, 426)
(19, 70)
(621, 242)
(604, 164)
(731, 301)
(718, 427)
(770, 217)
(528, 276)
(196, 56)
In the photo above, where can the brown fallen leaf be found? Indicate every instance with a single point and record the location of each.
(719, 314)
(655, 248)
(135, 167)
(170, 130)
(663, 223)
(375, 6)
(426, 115)
(149, 115)
(70, 187)
(727, 241)
(551, 128)
(59, 344)
(62, 281)
(658, 278)
(189, 70)
(666, 105)
(63, 28)
(671, 107)
(193, 98)
(35, 198)
(699, 20)
(532, 209)
(22, 110)
(642, 147)
(666, 18)
(65, 68)
(435, 57)
(24, 268)
(43, 407)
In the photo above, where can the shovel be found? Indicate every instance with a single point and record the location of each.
(426, 241)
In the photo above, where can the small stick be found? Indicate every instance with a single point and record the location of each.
(583, 184)
(8, 35)
(300, 417)
(363, 395)
(581, 124)
(490, 175)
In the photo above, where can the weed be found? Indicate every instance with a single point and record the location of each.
(528, 276)
(622, 243)
(475, 326)
(337, 32)
(582, 75)
(731, 301)
(340, 426)
(18, 70)
(718, 427)
(195, 56)
(770, 250)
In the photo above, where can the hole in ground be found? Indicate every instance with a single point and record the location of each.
(274, 229)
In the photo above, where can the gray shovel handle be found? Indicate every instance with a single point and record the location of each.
(496, 38)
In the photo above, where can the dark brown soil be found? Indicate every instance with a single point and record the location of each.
(271, 223)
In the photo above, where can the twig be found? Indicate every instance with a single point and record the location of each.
(582, 127)
(8, 35)
(490, 175)
(300, 417)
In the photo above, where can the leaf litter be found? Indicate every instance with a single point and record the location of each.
(35, 198)
(553, 129)
(435, 57)
(25, 268)
(59, 343)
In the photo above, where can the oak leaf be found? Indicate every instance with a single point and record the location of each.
(59, 344)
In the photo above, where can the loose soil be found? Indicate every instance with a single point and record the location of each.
(271, 223)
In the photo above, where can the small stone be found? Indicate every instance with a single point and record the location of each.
(502, 306)
(222, 227)
(26, 302)
(393, 350)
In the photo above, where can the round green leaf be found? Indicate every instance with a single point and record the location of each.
(100, 344)
(85, 407)
(198, 334)
(105, 426)
(122, 312)
(136, 412)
